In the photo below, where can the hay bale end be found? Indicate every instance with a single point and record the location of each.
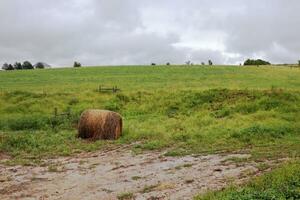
(100, 124)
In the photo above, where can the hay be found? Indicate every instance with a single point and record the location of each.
(100, 124)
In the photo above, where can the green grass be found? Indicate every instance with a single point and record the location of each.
(185, 109)
(282, 183)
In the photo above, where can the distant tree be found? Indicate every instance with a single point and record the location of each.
(153, 64)
(202, 63)
(17, 66)
(77, 64)
(39, 65)
(256, 62)
(168, 63)
(5, 66)
(188, 62)
(27, 65)
(299, 62)
(210, 62)
(10, 67)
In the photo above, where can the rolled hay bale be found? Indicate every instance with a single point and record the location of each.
(100, 124)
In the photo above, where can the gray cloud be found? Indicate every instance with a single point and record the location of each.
(100, 32)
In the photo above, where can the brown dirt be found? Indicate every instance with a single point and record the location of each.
(109, 175)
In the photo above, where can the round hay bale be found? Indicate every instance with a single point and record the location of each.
(100, 124)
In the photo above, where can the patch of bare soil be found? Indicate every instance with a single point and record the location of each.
(121, 174)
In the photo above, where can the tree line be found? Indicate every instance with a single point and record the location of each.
(41, 65)
(24, 65)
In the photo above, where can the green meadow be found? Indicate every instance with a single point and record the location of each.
(181, 110)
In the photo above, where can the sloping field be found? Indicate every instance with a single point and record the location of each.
(174, 110)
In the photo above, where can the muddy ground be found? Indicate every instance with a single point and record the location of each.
(120, 174)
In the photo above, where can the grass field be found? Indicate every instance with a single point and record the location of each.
(182, 109)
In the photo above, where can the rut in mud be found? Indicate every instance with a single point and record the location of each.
(120, 173)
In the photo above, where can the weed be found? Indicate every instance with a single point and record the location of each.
(126, 196)
(149, 188)
(136, 178)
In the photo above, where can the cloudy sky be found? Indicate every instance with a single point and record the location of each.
(118, 32)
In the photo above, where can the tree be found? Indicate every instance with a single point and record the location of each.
(299, 62)
(5, 66)
(77, 64)
(39, 65)
(202, 63)
(17, 66)
(188, 62)
(153, 64)
(10, 67)
(256, 62)
(27, 65)
(210, 62)
(168, 63)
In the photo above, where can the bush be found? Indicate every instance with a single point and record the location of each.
(256, 62)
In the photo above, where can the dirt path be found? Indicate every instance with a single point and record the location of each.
(119, 174)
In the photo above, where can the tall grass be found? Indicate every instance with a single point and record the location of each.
(282, 183)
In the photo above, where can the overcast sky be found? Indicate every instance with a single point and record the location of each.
(113, 32)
